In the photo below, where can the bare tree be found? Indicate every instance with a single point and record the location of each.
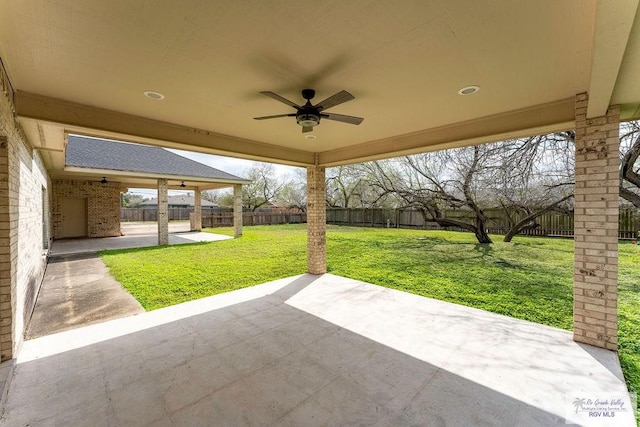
(536, 175)
(527, 177)
(264, 188)
(629, 167)
(353, 186)
(344, 185)
(294, 192)
(433, 182)
(222, 197)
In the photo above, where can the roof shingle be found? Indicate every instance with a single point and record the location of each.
(94, 153)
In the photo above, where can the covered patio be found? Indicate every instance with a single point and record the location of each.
(424, 76)
(310, 351)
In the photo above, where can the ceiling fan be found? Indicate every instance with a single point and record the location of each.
(309, 115)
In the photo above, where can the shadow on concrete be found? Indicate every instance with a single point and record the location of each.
(267, 356)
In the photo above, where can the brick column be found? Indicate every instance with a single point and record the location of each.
(163, 212)
(8, 262)
(595, 280)
(316, 220)
(197, 209)
(237, 210)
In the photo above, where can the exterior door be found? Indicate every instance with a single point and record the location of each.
(74, 217)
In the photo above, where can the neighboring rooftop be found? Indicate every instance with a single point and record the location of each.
(103, 154)
(180, 201)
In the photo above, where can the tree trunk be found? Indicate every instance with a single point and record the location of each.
(627, 173)
(525, 223)
(515, 230)
(481, 232)
(478, 231)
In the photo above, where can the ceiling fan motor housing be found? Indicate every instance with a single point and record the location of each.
(308, 94)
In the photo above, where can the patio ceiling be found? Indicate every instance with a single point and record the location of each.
(83, 66)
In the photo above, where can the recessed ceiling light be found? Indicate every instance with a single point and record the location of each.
(153, 95)
(468, 90)
(310, 136)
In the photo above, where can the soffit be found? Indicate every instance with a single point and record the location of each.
(404, 62)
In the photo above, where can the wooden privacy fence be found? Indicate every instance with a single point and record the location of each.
(151, 214)
(551, 223)
(225, 219)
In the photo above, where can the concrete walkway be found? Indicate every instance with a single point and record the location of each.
(77, 290)
(312, 351)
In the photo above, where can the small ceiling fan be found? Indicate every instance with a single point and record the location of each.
(309, 115)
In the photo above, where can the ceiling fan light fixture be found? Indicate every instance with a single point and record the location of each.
(308, 120)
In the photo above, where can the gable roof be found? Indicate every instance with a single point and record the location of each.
(103, 154)
(179, 201)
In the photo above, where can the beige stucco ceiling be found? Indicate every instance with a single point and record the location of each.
(82, 66)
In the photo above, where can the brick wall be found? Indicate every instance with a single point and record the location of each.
(23, 229)
(103, 206)
(237, 210)
(596, 227)
(163, 212)
(316, 220)
(196, 223)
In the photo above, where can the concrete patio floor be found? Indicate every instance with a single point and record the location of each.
(309, 351)
(141, 238)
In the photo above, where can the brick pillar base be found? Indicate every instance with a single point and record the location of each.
(197, 210)
(163, 212)
(316, 220)
(237, 210)
(595, 282)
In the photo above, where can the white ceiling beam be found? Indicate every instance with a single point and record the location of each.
(613, 23)
(98, 122)
(536, 120)
(130, 174)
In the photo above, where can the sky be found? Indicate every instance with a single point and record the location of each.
(231, 165)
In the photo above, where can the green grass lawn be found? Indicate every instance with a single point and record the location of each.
(530, 278)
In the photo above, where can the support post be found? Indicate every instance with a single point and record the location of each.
(8, 234)
(316, 220)
(163, 212)
(595, 283)
(237, 210)
(197, 210)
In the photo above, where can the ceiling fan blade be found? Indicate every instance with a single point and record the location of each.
(274, 117)
(306, 129)
(280, 98)
(333, 100)
(342, 118)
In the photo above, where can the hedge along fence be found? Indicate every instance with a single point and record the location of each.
(551, 223)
